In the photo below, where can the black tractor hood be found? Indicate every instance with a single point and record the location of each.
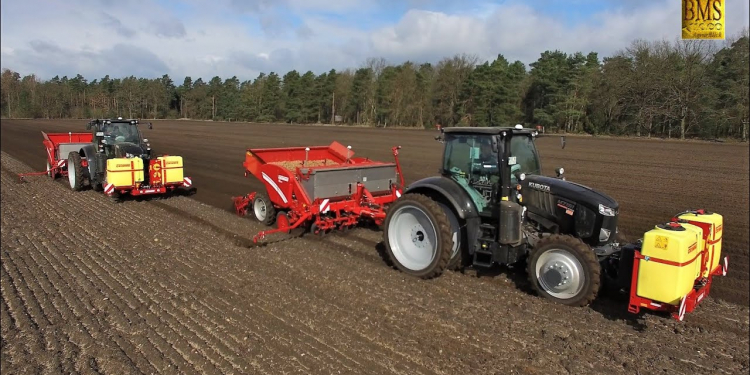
(124, 148)
(570, 191)
(573, 208)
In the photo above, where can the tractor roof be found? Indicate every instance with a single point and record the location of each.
(116, 120)
(494, 130)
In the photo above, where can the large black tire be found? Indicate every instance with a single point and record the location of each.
(457, 251)
(96, 185)
(75, 171)
(262, 209)
(412, 222)
(565, 259)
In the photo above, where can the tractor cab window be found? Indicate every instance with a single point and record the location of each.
(523, 157)
(122, 132)
(470, 160)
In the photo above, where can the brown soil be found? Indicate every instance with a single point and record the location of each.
(293, 165)
(166, 286)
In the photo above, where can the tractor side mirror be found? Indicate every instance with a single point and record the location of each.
(562, 141)
(494, 145)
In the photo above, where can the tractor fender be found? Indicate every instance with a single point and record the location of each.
(448, 189)
(89, 153)
(451, 193)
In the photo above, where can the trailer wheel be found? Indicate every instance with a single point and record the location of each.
(52, 174)
(75, 171)
(565, 270)
(263, 209)
(417, 234)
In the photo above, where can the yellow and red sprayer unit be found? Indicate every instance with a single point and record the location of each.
(674, 266)
(320, 188)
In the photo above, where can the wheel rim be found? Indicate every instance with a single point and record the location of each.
(259, 208)
(72, 175)
(454, 230)
(413, 238)
(560, 274)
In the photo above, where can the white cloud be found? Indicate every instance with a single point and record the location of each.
(204, 38)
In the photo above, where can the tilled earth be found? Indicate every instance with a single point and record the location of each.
(170, 286)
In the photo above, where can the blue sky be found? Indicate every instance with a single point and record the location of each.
(205, 38)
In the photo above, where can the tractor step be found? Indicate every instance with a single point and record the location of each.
(483, 258)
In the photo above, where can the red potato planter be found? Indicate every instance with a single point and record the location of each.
(321, 188)
(58, 146)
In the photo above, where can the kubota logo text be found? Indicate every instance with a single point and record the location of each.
(539, 186)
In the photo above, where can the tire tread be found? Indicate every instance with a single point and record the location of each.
(442, 226)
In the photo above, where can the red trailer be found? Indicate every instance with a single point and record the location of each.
(58, 145)
(323, 187)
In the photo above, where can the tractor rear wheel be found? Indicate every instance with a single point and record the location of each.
(417, 234)
(455, 261)
(263, 209)
(564, 269)
(75, 171)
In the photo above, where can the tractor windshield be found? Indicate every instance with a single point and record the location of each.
(523, 156)
(122, 132)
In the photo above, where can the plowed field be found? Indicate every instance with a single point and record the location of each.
(167, 286)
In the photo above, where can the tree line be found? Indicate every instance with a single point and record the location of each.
(680, 89)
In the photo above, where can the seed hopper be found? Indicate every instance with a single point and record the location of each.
(320, 188)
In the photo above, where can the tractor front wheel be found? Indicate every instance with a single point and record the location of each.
(565, 270)
(418, 236)
(75, 171)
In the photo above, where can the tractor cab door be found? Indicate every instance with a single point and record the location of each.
(524, 157)
(470, 160)
(108, 136)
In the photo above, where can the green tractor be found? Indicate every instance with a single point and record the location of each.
(491, 205)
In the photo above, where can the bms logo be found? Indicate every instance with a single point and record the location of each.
(538, 186)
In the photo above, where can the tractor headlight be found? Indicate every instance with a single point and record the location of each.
(604, 235)
(606, 211)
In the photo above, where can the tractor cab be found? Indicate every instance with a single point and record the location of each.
(119, 138)
(476, 158)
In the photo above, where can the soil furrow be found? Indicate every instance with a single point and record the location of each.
(139, 287)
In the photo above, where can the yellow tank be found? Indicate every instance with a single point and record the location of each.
(701, 243)
(674, 261)
(715, 223)
(171, 167)
(124, 171)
